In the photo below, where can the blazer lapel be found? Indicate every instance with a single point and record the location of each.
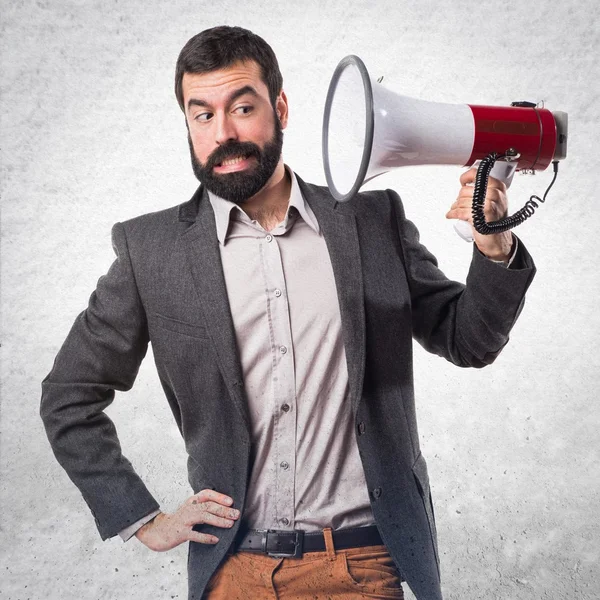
(338, 223)
(204, 259)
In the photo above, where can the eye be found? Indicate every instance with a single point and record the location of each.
(245, 109)
(203, 117)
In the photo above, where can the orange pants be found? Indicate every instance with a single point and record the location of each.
(351, 574)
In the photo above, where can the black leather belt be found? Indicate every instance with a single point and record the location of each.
(294, 543)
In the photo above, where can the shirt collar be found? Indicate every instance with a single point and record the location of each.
(222, 209)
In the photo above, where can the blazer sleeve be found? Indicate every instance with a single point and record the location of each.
(101, 354)
(466, 324)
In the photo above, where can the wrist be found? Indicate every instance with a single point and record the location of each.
(500, 250)
(146, 527)
(155, 534)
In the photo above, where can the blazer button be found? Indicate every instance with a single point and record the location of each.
(377, 493)
(361, 428)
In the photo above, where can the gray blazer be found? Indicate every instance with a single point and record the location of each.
(166, 287)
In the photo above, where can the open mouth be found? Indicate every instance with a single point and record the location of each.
(231, 161)
(234, 164)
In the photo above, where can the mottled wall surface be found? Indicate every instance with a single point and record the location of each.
(91, 134)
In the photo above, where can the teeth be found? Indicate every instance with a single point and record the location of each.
(232, 161)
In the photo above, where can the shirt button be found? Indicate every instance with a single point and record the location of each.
(284, 465)
(282, 349)
(377, 493)
(277, 293)
(269, 238)
(285, 521)
(361, 428)
(285, 407)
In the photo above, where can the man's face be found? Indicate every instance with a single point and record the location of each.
(235, 133)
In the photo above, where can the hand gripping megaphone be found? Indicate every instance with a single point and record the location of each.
(369, 130)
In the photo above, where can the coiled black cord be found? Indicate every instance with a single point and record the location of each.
(481, 181)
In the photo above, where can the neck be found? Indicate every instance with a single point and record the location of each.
(268, 206)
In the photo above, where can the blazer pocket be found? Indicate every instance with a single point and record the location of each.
(177, 326)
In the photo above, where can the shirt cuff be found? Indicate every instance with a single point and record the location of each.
(512, 257)
(129, 532)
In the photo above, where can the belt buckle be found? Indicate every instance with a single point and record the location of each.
(297, 541)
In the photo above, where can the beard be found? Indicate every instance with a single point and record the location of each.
(242, 185)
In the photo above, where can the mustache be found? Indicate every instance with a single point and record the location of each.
(232, 149)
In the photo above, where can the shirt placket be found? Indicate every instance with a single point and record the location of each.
(283, 381)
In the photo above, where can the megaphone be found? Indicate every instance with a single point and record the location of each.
(369, 130)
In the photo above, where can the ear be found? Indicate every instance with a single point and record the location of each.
(281, 107)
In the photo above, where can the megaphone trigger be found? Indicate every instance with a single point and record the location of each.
(503, 171)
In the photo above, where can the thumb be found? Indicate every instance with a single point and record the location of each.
(468, 176)
(202, 538)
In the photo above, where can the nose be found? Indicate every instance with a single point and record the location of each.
(225, 130)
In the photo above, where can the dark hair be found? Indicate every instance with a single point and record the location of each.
(223, 46)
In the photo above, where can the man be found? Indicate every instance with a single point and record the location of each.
(281, 324)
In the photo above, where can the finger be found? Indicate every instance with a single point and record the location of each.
(493, 195)
(206, 518)
(492, 212)
(205, 495)
(492, 190)
(202, 538)
(210, 513)
(217, 509)
(465, 193)
(468, 176)
(462, 202)
(468, 179)
(464, 214)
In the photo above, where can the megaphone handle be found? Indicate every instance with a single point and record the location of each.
(502, 170)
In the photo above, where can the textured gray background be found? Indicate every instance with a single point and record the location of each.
(91, 134)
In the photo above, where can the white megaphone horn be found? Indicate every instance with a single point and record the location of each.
(369, 130)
